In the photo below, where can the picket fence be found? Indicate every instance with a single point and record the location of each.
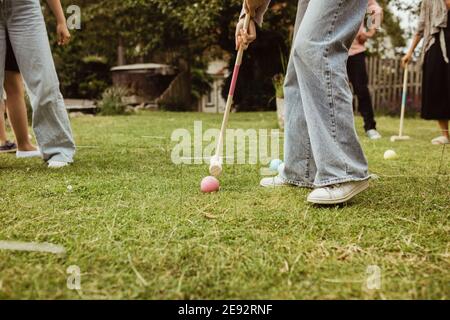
(386, 85)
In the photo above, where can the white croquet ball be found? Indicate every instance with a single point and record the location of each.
(390, 154)
(275, 164)
(281, 168)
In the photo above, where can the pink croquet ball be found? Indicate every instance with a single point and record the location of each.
(209, 184)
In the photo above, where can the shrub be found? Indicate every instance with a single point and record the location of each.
(94, 77)
(200, 80)
(112, 102)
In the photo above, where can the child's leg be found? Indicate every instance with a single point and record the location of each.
(3, 135)
(443, 124)
(299, 168)
(320, 58)
(17, 110)
(29, 40)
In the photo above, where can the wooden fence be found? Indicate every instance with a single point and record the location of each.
(386, 84)
(177, 94)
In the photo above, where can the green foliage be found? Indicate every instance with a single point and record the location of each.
(112, 102)
(391, 29)
(200, 82)
(411, 10)
(95, 75)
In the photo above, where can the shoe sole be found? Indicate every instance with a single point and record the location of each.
(57, 167)
(28, 156)
(351, 195)
(439, 143)
(274, 185)
(9, 151)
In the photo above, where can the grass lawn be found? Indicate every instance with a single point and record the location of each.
(137, 225)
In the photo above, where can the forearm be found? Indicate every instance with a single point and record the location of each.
(58, 12)
(260, 7)
(414, 43)
(261, 11)
(363, 36)
(377, 14)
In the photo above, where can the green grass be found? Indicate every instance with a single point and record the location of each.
(138, 227)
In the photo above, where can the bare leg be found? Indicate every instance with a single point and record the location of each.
(443, 124)
(17, 110)
(3, 136)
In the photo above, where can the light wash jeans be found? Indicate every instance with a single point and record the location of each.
(321, 145)
(25, 24)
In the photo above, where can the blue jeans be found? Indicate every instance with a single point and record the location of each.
(321, 144)
(28, 35)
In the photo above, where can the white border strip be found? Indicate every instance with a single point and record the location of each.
(32, 247)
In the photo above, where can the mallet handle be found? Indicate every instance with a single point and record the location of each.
(404, 94)
(229, 104)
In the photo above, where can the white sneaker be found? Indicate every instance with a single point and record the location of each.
(273, 182)
(338, 193)
(57, 164)
(440, 140)
(373, 134)
(28, 154)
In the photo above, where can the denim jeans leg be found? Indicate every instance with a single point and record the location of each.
(299, 166)
(29, 39)
(320, 54)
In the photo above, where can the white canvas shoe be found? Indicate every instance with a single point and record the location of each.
(440, 140)
(273, 182)
(28, 154)
(57, 164)
(373, 134)
(338, 193)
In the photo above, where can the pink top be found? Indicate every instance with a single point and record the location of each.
(359, 45)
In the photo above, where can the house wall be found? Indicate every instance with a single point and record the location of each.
(214, 103)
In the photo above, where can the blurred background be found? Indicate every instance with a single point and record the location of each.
(176, 55)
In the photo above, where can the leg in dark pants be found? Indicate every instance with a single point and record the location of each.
(357, 73)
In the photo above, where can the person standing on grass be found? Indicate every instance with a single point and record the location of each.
(17, 111)
(322, 150)
(23, 21)
(357, 71)
(434, 29)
